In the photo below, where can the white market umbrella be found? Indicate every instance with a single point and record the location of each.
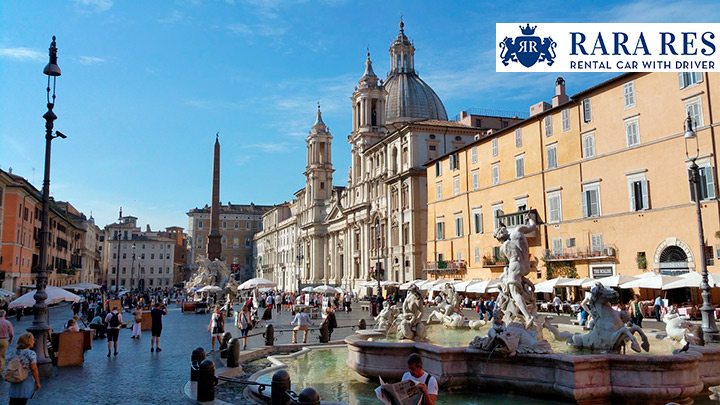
(369, 284)
(308, 289)
(656, 282)
(439, 286)
(5, 293)
(389, 283)
(693, 279)
(549, 285)
(210, 289)
(427, 285)
(326, 289)
(575, 282)
(463, 285)
(409, 284)
(612, 281)
(257, 282)
(483, 286)
(55, 295)
(81, 286)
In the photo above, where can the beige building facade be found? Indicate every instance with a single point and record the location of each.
(603, 172)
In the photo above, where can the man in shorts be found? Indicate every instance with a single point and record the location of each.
(156, 314)
(113, 320)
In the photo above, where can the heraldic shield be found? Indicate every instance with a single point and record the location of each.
(528, 49)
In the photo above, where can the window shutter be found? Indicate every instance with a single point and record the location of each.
(710, 181)
(692, 186)
(480, 227)
(587, 110)
(645, 199)
(631, 193)
(586, 203)
(681, 80)
(698, 77)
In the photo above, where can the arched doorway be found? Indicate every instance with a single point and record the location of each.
(674, 261)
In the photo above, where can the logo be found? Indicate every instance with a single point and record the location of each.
(527, 49)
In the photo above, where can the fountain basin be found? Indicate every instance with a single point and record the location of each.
(581, 378)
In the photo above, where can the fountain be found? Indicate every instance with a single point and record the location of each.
(213, 272)
(515, 357)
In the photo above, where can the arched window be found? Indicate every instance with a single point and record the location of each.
(673, 260)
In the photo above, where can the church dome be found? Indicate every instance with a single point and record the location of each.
(408, 97)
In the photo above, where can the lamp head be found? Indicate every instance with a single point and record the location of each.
(52, 68)
(689, 132)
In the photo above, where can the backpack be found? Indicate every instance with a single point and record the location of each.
(114, 320)
(16, 372)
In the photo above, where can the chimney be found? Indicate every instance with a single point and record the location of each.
(147, 228)
(560, 96)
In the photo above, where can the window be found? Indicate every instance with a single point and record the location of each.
(477, 221)
(475, 180)
(237, 225)
(200, 225)
(694, 108)
(548, 126)
(554, 207)
(557, 246)
(477, 254)
(439, 229)
(494, 146)
(497, 212)
(519, 166)
(518, 138)
(224, 225)
(124, 256)
(587, 110)
(632, 132)
(707, 184)
(438, 191)
(596, 242)
(589, 145)
(629, 94)
(152, 255)
(686, 79)
(454, 162)
(565, 119)
(473, 154)
(456, 185)
(638, 193)
(495, 174)
(247, 224)
(591, 201)
(458, 256)
(438, 169)
(458, 225)
(551, 156)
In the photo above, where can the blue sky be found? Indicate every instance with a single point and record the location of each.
(147, 84)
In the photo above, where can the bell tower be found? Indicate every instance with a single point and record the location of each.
(319, 170)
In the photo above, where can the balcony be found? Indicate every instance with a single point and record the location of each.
(581, 254)
(494, 261)
(516, 219)
(445, 267)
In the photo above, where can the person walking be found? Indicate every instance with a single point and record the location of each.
(156, 315)
(244, 323)
(216, 327)
(427, 383)
(558, 304)
(19, 392)
(636, 311)
(302, 322)
(137, 326)
(113, 320)
(658, 307)
(6, 337)
(330, 320)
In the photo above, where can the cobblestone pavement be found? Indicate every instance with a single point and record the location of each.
(138, 376)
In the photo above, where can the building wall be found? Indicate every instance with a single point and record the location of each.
(659, 158)
(18, 236)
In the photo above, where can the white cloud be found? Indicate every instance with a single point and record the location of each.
(174, 17)
(96, 6)
(22, 54)
(262, 30)
(90, 60)
(658, 11)
(269, 147)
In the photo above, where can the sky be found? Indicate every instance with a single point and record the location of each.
(146, 85)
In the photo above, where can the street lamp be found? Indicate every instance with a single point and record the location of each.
(40, 327)
(299, 259)
(710, 330)
(132, 267)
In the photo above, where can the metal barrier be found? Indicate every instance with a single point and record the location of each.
(197, 356)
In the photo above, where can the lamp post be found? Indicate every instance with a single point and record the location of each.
(40, 327)
(710, 330)
(299, 259)
(132, 267)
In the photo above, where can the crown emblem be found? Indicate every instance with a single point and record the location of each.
(528, 30)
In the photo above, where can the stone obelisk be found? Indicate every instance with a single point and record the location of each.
(214, 247)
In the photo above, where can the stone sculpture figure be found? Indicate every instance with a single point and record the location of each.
(209, 273)
(511, 339)
(517, 293)
(386, 318)
(679, 328)
(447, 311)
(608, 333)
(409, 322)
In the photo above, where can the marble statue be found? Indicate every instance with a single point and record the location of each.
(477, 324)
(386, 318)
(517, 293)
(210, 273)
(511, 339)
(409, 322)
(608, 333)
(448, 312)
(679, 328)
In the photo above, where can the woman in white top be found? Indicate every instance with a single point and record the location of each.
(216, 327)
(244, 323)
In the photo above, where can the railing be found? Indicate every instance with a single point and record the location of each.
(445, 267)
(494, 261)
(494, 113)
(582, 254)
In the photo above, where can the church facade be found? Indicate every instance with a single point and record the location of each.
(376, 225)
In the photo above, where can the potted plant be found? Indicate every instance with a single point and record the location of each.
(641, 260)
